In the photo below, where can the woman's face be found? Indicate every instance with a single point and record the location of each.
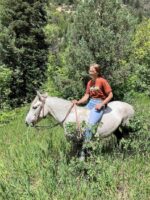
(93, 73)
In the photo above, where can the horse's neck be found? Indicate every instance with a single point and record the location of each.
(58, 107)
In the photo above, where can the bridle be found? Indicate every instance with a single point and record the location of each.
(41, 108)
(58, 123)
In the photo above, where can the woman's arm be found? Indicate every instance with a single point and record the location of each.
(82, 100)
(100, 105)
(110, 96)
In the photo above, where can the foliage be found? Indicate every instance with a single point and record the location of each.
(139, 79)
(139, 7)
(139, 140)
(8, 116)
(60, 2)
(77, 132)
(5, 75)
(55, 33)
(99, 31)
(24, 49)
(35, 164)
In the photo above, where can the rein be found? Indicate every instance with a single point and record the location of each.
(60, 123)
(41, 108)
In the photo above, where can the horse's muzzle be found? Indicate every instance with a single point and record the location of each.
(29, 124)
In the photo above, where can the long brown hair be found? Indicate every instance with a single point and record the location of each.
(97, 68)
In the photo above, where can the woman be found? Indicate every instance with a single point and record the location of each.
(100, 93)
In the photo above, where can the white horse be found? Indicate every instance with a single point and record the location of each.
(116, 114)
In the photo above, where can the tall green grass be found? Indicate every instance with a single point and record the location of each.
(35, 164)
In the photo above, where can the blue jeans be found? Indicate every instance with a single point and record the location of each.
(94, 117)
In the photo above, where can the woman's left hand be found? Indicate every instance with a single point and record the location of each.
(99, 106)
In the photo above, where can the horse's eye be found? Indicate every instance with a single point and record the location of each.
(34, 107)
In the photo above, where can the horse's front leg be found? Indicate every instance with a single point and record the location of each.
(71, 136)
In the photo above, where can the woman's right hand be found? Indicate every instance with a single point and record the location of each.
(75, 101)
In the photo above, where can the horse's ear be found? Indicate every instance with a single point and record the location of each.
(39, 95)
(42, 96)
(45, 95)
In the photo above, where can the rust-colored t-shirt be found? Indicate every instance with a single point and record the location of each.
(99, 88)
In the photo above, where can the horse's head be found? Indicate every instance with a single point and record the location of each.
(38, 109)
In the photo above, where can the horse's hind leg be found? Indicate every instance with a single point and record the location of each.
(119, 135)
(121, 132)
(76, 148)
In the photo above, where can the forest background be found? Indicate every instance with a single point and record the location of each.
(48, 45)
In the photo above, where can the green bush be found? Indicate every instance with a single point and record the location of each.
(23, 47)
(5, 75)
(99, 31)
(140, 57)
(36, 164)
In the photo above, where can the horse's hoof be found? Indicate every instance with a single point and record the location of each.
(82, 156)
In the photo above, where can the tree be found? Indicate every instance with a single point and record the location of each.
(24, 47)
(100, 32)
(139, 7)
(139, 79)
(5, 75)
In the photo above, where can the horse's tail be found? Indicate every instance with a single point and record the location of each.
(128, 116)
